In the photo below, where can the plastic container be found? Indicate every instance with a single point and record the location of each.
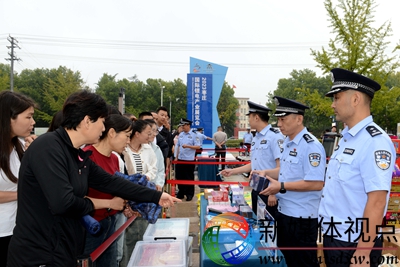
(173, 229)
(159, 253)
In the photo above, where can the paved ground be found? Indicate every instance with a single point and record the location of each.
(188, 209)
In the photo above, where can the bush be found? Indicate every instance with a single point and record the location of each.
(233, 143)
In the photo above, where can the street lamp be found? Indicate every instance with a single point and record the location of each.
(162, 90)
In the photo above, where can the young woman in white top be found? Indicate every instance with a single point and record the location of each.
(16, 120)
(139, 158)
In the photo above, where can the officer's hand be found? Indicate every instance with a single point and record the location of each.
(227, 172)
(272, 200)
(273, 187)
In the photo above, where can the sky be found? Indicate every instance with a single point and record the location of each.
(260, 41)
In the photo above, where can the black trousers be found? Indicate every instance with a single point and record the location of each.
(185, 172)
(220, 153)
(343, 258)
(4, 242)
(297, 233)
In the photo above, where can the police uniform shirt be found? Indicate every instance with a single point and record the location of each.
(201, 137)
(189, 139)
(248, 137)
(265, 148)
(363, 162)
(303, 158)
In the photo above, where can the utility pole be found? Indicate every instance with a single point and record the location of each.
(14, 44)
(121, 100)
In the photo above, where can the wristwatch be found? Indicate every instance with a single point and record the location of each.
(283, 190)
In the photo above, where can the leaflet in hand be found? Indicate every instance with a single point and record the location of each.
(258, 183)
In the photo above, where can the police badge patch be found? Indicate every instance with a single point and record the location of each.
(382, 159)
(315, 159)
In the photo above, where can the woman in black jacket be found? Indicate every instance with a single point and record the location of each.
(53, 181)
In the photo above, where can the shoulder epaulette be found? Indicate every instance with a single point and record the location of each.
(274, 130)
(308, 138)
(373, 131)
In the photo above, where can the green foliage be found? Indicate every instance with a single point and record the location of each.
(4, 77)
(233, 143)
(304, 86)
(49, 88)
(145, 96)
(226, 107)
(359, 47)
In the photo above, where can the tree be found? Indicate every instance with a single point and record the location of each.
(48, 88)
(145, 96)
(4, 77)
(359, 47)
(227, 106)
(304, 86)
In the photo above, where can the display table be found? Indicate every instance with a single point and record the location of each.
(207, 172)
(253, 260)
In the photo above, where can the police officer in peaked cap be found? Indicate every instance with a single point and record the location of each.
(359, 173)
(297, 185)
(265, 152)
(185, 151)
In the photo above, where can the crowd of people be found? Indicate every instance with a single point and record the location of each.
(49, 183)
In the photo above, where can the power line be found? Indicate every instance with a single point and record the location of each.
(172, 46)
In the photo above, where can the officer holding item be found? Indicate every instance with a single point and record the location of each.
(298, 185)
(265, 152)
(186, 151)
(358, 177)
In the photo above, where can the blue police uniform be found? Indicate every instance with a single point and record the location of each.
(265, 150)
(186, 171)
(247, 138)
(190, 139)
(362, 163)
(303, 158)
(201, 137)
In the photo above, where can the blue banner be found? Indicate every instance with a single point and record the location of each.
(198, 68)
(199, 101)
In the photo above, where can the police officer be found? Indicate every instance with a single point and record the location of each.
(247, 140)
(202, 136)
(359, 174)
(186, 151)
(266, 151)
(299, 184)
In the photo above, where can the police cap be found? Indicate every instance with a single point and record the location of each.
(347, 80)
(286, 106)
(257, 108)
(185, 121)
